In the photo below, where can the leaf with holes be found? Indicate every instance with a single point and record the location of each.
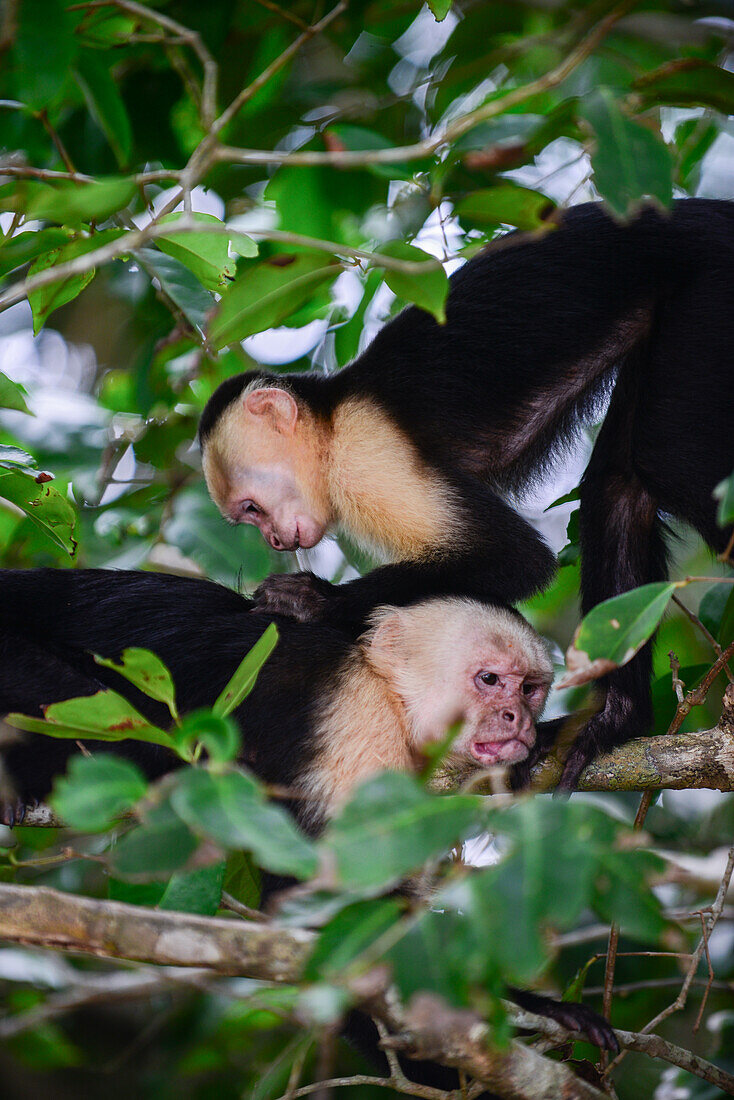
(105, 716)
(266, 294)
(147, 672)
(45, 506)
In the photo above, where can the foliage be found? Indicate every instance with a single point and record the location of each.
(177, 180)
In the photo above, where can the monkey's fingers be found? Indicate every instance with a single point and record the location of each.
(13, 810)
(578, 758)
(572, 1016)
(300, 596)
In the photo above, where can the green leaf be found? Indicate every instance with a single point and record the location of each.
(13, 458)
(713, 605)
(44, 51)
(623, 894)
(724, 493)
(440, 9)
(104, 716)
(393, 825)
(347, 336)
(68, 203)
(197, 891)
(47, 509)
(181, 286)
(11, 397)
(243, 679)
(162, 844)
(105, 103)
(206, 255)
(630, 163)
(231, 809)
(242, 879)
(147, 672)
(689, 82)
(219, 736)
(96, 790)
(265, 294)
(348, 935)
(614, 631)
(505, 204)
(554, 856)
(438, 954)
(428, 289)
(48, 298)
(567, 498)
(24, 247)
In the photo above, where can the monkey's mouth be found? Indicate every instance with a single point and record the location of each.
(499, 752)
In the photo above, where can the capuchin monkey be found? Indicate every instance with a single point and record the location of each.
(412, 447)
(342, 710)
(325, 712)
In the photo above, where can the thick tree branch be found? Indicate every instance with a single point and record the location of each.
(674, 762)
(47, 918)
(113, 930)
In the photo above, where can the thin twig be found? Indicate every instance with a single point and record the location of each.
(697, 695)
(359, 158)
(135, 239)
(706, 633)
(228, 902)
(680, 1001)
(274, 67)
(611, 959)
(410, 1088)
(184, 34)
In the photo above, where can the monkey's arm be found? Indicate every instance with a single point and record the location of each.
(480, 559)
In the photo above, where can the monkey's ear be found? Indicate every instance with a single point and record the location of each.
(277, 405)
(384, 643)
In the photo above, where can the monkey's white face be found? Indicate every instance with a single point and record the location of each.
(260, 468)
(269, 498)
(455, 660)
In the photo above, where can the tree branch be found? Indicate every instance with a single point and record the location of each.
(47, 918)
(359, 158)
(673, 762)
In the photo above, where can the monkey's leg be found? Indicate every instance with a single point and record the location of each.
(622, 547)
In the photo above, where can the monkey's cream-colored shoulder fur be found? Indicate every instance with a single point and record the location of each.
(384, 495)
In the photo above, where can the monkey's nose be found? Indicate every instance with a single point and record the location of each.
(509, 717)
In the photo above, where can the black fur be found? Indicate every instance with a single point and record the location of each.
(537, 333)
(51, 620)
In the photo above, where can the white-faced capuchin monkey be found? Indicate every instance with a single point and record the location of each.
(342, 709)
(411, 447)
(326, 712)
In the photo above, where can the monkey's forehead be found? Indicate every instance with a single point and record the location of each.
(464, 627)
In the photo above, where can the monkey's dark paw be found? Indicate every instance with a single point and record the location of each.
(300, 596)
(13, 810)
(577, 1017)
(578, 758)
(572, 1016)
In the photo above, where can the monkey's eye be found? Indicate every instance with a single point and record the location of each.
(529, 689)
(249, 508)
(489, 678)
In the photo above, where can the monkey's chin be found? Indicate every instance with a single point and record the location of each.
(489, 753)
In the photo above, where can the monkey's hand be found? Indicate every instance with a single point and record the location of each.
(13, 809)
(301, 596)
(572, 1016)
